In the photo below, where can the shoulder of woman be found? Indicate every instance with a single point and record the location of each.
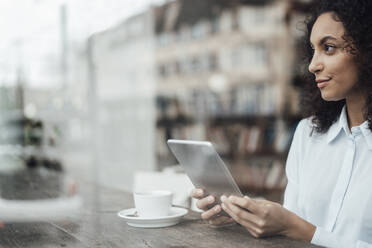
(305, 126)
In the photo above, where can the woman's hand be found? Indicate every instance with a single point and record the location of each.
(265, 218)
(212, 214)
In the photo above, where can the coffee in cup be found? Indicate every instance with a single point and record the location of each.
(152, 204)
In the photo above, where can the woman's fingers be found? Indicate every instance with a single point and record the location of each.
(240, 213)
(197, 193)
(245, 202)
(204, 202)
(236, 215)
(209, 214)
(214, 219)
(260, 217)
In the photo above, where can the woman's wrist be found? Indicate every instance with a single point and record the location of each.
(300, 229)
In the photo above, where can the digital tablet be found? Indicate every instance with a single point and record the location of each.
(204, 167)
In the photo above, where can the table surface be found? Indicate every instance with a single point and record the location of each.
(99, 226)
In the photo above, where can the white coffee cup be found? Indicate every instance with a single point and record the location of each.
(151, 204)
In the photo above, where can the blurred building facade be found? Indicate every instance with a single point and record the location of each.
(123, 59)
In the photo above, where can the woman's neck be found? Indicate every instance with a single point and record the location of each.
(355, 113)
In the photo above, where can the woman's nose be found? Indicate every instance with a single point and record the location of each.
(316, 65)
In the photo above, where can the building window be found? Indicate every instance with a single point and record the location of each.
(226, 21)
(249, 18)
(260, 54)
(177, 67)
(215, 25)
(172, 68)
(196, 31)
(200, 30)
(184, 33)
(163, 39)
(212, 62)
(236, 57)
(195, 64)
(177, 36)
(185, 66)
(204, 62)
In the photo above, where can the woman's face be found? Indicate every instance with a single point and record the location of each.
(334, 67)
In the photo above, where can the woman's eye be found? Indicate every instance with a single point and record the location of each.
(329, 48)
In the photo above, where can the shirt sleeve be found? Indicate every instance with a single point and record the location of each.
(293, 162)
(324, 238)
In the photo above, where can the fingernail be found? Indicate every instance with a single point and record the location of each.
(217, 208)
(223, 198)
(231, 197)
(210, 199)
(199, 191)
(247, 197)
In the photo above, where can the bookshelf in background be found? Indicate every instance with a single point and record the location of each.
(227, 76)
(254, 145)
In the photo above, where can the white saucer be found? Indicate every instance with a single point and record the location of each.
(172, 219)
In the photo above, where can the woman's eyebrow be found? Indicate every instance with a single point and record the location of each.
(324, 39)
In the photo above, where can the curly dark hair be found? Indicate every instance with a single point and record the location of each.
(356, 18)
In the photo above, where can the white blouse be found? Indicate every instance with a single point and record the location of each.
(330, 182)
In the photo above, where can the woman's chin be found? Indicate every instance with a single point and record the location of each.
(326, 96)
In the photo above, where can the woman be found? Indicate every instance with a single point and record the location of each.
(328, 200)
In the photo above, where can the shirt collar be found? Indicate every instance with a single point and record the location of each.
(342, 124)
(367, 134)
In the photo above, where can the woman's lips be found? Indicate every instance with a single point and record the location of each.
(323, 84)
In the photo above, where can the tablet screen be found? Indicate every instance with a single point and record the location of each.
(204, 167)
